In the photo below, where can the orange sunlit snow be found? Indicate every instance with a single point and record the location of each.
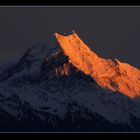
(113, 75)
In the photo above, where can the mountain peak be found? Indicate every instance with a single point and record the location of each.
(109, 74)
(74, 34)
(79, 54)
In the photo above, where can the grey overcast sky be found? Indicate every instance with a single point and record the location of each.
(112, 32)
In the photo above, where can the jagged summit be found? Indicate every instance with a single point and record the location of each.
(113, 75)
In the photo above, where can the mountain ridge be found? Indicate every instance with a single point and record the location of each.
(106, 72)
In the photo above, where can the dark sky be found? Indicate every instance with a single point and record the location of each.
(112, 32)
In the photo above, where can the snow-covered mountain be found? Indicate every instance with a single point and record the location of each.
(62, 85)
